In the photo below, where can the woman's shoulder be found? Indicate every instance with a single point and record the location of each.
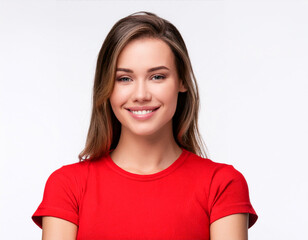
(74, 172)
(73, 168)
(78, 171)
(63, 192)
(226, 188)
(213, 168)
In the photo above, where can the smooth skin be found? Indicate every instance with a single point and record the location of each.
(58, 229)
(232, 227)
(138, 85)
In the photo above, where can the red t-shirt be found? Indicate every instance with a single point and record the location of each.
(180, 202)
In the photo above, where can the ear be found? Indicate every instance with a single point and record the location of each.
(182, 88)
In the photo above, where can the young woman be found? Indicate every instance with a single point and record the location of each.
(142, 174)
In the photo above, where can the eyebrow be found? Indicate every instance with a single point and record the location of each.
(149, 70)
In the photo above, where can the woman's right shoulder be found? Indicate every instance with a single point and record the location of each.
(72, 167)
(77, 166)
(63, 192)
(73, 171)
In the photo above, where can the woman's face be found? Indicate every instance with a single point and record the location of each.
(146, 87)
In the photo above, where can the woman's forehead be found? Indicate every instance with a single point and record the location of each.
(146, 53)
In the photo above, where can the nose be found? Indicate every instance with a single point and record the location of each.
(141, 92)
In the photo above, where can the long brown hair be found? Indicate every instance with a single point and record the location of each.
(104, 131)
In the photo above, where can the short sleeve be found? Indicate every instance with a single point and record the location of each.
(61, 196)
(229, 194)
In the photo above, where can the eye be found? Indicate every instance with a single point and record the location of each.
(124, 79)
(158, 77)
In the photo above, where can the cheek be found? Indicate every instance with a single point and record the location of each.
(168, 94)
(115, 102)
(118, 97)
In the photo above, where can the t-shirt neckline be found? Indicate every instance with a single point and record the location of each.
(148, 177)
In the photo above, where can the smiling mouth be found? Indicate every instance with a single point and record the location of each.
(143, 111)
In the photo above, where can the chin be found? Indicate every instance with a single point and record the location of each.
(148, 129)
(145, 132)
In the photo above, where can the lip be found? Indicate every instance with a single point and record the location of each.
(141, 108)
(142, 116)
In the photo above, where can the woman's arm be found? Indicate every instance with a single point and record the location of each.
(232, 227)
(58, 229)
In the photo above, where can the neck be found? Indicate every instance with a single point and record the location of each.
(146, 154)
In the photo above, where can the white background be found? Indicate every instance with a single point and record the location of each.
(251, 62)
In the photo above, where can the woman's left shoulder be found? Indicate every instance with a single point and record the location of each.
(214, 169)
(225, 187)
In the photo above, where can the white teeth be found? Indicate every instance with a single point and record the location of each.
(142, 112)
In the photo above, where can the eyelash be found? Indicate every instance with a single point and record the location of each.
(157, 75)
(160, 76)
(121, 79)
